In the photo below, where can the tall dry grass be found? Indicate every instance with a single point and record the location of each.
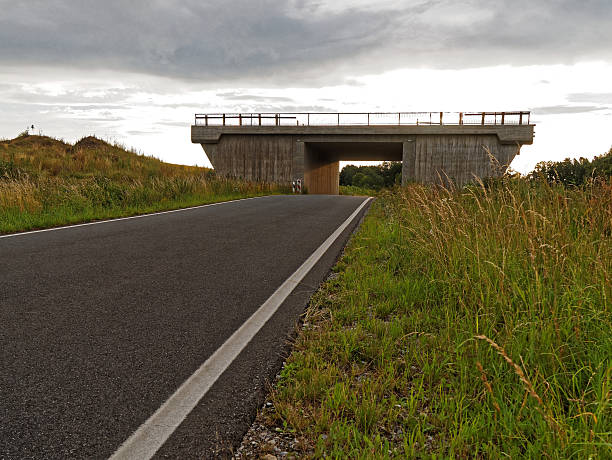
(466, 323)
(46, 182)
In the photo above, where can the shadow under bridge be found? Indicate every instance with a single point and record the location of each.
(322, 160)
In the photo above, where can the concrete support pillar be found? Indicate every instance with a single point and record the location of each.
(321, 174)
(298, 161)
(409, 162)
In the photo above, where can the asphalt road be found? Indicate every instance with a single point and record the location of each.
(100, 324)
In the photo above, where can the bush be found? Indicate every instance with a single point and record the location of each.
(574, 172)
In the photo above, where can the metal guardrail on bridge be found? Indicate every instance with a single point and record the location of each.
(363, 119)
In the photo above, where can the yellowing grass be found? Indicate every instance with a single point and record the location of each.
(45, 182)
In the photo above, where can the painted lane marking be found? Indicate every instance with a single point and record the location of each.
(152, 434)
(85, 224)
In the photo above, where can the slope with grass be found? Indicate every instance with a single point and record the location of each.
(464, 324)
(46, 182)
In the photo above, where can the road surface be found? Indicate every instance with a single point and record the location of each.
(101, 324)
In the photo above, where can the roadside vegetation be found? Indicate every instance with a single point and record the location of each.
(45, 182)
(357, 191)
(471, 323)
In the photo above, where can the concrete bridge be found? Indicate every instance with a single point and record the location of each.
(433, 147)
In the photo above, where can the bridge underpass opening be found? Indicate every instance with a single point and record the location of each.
(322, 161)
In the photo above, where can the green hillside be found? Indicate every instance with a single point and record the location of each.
(46, 182)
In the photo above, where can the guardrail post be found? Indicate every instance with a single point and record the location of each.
(308, 120)
(259, 119)
(399, 118)
(521, 118)
(503, 117)
(223, 119)
(338, 118)
(483, 118)
(276, 119)
(460, 118)
(239, 119)
(368, 118)
(441, 115)
(206, 120)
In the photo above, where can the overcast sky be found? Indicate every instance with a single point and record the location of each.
(137, 71)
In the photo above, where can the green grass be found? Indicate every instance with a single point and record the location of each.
(357, 191)
(45, 182)
(465, 324)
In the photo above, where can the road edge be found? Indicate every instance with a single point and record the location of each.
(157, 429)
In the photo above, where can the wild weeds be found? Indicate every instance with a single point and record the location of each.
(524, 380)
(522, 267)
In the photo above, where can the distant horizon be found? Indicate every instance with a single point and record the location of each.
(204, 162)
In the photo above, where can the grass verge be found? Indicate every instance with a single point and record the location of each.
(357, 191)
(45, 183)
(465, 324)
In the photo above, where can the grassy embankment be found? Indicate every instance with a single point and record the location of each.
(470, 324)
(45, 182)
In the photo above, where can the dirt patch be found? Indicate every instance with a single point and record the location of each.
(267, 443)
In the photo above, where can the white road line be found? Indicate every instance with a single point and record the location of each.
(152, 434)
(11, 235)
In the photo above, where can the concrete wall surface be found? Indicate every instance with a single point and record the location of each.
(430, 154)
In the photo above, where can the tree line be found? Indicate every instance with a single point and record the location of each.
(373, 177)
(574, 171)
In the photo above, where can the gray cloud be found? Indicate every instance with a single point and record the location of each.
(256, 107)
(140, 133)
(81, 97)
(565, 109)
(178, 105)
(180, 124)
(105, 119)
(232, 96)
(86, 108)
(299, 41)
(597, 98)
(190, 39)
(298, 108)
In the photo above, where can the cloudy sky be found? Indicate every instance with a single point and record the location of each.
(136, 72)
